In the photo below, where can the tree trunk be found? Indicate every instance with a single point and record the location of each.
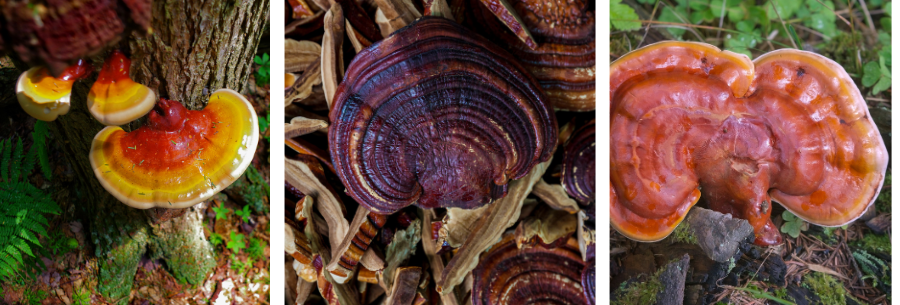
(195, 47)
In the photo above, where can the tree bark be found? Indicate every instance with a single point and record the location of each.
(195, 47)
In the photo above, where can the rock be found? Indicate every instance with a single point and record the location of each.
(672, 281)
(880, 224)
(719, 235)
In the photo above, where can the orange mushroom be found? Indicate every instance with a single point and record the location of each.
(45, 97)
(688, 118)
(181, 157)
(114, 98)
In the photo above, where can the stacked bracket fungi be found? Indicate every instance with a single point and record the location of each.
(790, 126)
(45, 97)
(554, 40)
(451, 132)
(180, 157)
(114, 98)
(578, 168)
(530, 275)
(57, 33)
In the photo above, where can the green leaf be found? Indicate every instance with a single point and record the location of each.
(716, 7)
(244, 214)
(236, 244)
(887, 9)
(885, 55)
(788, 216)
(886, 23)
(701, 16)
(792, 224)
(871, 73)
(221, 212)
(883, 84)
(623, 17)
(674, 16)
(786, 8)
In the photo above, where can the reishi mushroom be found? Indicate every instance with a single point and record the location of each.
(180, 157)
(561, 55)
(462, 121)
(45, 97)
(58, 33)
(578, 165)
(114, 98)
(530, 275)
(790, 126)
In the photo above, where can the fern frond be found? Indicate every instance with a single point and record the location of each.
(5, 149)
(15, 167)
(40, 142)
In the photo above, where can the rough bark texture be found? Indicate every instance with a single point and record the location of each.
(196, 47)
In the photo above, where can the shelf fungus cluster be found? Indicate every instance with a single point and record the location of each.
(58, 33)
(691, 122)
(430, 167)
(179, 157)
(553, 39)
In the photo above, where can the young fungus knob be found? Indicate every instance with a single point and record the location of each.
(114, 98)
(45, 97)
(180, 157)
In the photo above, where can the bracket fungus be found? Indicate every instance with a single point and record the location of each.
(578, 167)
(437, 116)
(180, 157)
(530, 275)
(45, 97)
(561, 55)
(58, 33)
(114, 98)
(790, 127)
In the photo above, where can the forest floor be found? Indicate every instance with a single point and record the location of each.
(236, 222)
(814, 265)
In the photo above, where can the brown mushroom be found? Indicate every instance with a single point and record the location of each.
(790, 126)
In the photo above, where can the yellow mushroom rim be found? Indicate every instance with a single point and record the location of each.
(45, 97)
(180, 157)
(114, 98)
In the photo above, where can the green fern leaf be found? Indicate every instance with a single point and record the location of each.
(6, 149)
(15, 169)
(40, 142)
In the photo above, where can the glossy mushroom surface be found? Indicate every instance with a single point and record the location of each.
(114, 98)
(563, 55)
(56, 33)
(689, 119)
(579, 162)
(437, 116)
(180, 157)
(531, 275)
(45, 97)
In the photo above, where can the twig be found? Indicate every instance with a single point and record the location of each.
(647, 29)
(862, 3)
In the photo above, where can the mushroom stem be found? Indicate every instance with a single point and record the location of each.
(167, 115)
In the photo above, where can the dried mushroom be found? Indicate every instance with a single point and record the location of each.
(439, 144)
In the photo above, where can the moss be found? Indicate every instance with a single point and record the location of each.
(781, 293)
(829, 290)
(683, 234)
(875, 243)
(118, 268)
(640, 291)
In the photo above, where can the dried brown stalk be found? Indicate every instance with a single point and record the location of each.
(546, 227)
(307, 176)
(362, 231)
(299, 54)
(458, 224)
(303, 87)
(332, 55)
(300, 126)
(555, 196)
(500, 215)
(372, 261)
(438, 8)
(301, 9)
(406, 280)
(506, 14)
(358, 41)
(436, 262)
(394, 14)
